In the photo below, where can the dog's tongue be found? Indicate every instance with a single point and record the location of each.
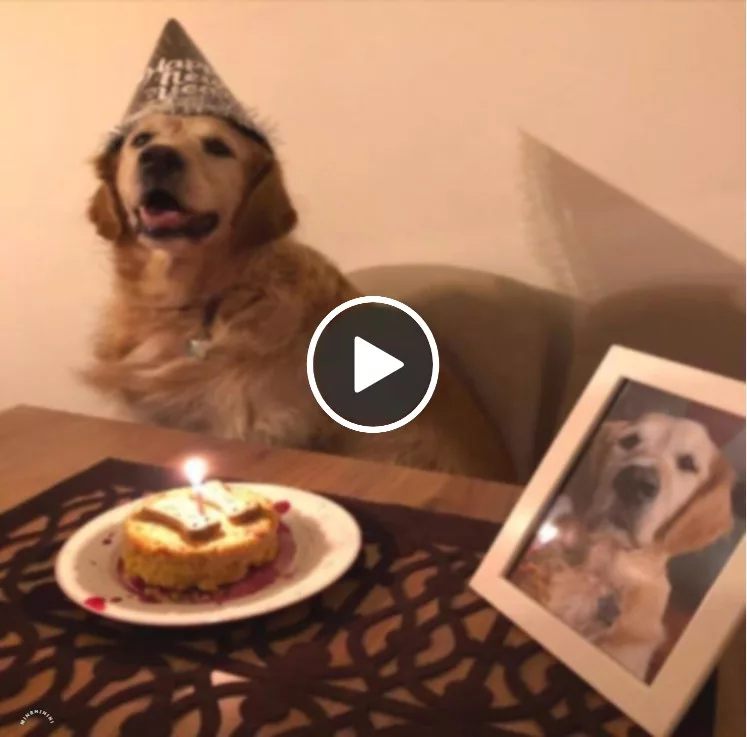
(153, 218)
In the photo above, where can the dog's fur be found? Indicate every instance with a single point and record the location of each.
(691, 506)
(612, 594)
(598, 552)
(252, 384)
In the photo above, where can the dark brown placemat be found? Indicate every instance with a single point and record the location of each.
(399, 647)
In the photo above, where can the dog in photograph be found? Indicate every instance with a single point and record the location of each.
(659, 478)
(612, 594)
(200, 224)
(565, 573)
(647, 491)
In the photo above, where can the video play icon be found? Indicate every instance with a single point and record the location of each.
(372, 364)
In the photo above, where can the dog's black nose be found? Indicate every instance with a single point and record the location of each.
(159, 162)
(636, 483)
(608, 609)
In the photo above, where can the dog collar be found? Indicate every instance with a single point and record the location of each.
(199, 347)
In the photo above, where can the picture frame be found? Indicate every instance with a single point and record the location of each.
(530, 576)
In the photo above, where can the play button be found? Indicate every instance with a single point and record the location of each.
(372, 364)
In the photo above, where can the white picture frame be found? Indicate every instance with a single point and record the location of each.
(658, 705)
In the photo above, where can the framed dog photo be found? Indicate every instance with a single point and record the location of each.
(625, 556)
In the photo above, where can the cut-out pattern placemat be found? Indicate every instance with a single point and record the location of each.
(399, 647)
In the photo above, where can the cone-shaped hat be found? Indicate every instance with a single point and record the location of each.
(179, 80)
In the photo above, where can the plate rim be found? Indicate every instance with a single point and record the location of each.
(228, 613)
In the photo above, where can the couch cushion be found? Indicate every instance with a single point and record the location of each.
(699, 326)
(510, 343)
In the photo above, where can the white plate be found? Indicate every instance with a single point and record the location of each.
(326, 536)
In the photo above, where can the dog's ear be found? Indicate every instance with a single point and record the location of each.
(103, 212)
(104, 209)
(706, 517)
(605, 438)
(266, 213)
(586, 477)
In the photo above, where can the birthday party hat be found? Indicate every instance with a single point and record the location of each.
(179, 80)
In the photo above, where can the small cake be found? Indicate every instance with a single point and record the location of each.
(180, 540)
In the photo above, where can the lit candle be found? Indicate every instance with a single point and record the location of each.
(195, 469)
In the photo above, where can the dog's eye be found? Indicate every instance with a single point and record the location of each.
(216, 147)
(687, 463)
(141, 139)
(628, 442)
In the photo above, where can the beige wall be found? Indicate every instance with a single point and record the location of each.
(410, 133)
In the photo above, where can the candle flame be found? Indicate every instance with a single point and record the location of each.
(195, 469)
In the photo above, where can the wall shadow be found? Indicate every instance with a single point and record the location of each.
(527, 353)
(622, 274)
(597, 240)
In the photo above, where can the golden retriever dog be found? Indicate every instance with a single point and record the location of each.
(652, 489)
(564, 575)
(612, 594)
(654, 478)
(214, 304)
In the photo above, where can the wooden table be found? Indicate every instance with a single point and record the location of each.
(39, 447)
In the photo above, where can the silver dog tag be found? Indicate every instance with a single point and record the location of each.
(198, 347)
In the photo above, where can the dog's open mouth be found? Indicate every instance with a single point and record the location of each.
(161, 217)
